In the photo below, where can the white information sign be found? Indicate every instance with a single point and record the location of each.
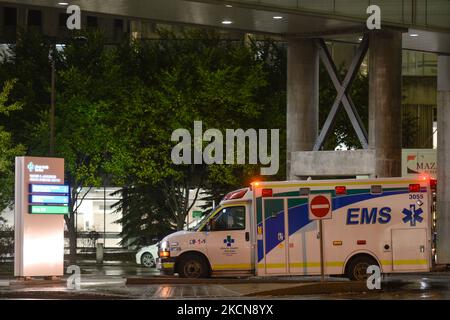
(39, 238)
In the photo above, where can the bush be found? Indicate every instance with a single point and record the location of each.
(6, 241)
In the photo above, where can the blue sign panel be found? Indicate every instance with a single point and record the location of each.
(49, 188)
(49, 199)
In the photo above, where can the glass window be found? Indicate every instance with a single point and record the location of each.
(352, 8)
(319, 5)
(34, 18)
(92, 22)
(438, 12)
(230, 218)
(96, 215)
(9, 16)
(63, 20)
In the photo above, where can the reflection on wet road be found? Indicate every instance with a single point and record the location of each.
(436, 286)
(109, 282)
(117, 270)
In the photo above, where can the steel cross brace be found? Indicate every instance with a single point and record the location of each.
(342, 89)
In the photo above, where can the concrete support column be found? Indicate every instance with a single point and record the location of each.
(385, 67)
(443, 161)
(302, 97)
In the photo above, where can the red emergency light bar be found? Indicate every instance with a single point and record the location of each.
(266, 192)
(414, 187)
(433, 184)
(235, 194)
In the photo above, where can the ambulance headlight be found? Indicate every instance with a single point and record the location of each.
(164, 250)
(164, 245)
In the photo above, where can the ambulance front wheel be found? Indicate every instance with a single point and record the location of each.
(357, 267)
(193, 266)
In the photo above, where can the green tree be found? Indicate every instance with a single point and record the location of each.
(118, 105)
(198, 76)
(28, 62)
(8, 150)
(82, 136)
(152, 220)
(411, 131)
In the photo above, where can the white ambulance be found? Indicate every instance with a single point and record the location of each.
(270, 229)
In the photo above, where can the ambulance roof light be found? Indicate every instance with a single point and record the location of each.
(376, 189)
(340, 190)
(235, 194)
(433, 184)
(414, 187)
(304, 191)
(266, 192)
(254, 184)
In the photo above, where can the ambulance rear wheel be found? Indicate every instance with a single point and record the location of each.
(193, 266)
(357, 267)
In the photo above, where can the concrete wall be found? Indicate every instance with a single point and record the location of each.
(443, 161)
(333, 163)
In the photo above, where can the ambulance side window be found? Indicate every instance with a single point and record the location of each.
(229, 218)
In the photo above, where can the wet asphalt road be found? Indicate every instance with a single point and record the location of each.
(434, 285)
(109, 282)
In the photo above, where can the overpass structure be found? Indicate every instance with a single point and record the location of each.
(421, 25)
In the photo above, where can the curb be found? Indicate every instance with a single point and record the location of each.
(176, 280)
(37, 282)
(61, 295)
(315, 288)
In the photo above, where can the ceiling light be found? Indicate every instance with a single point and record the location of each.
(278, 17)
(63, 3)
(228, 6)
(360, 39)
(227, 22)
(413, 35)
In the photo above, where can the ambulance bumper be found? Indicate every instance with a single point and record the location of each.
(166, 266)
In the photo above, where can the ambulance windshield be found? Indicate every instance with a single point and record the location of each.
(197, 224)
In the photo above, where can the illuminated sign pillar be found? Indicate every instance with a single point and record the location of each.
(41, 200)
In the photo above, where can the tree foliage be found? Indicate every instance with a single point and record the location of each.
(26, 61)
(117, 106)
(8, 150)
(175, 81)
